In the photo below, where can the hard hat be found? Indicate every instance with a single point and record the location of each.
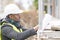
(11, 9)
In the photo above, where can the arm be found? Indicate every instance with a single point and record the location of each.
(10, 33)
(23, 28)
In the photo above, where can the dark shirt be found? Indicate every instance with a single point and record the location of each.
(8, 33)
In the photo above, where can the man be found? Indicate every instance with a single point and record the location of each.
(10, 25)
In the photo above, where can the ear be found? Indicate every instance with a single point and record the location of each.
(11, 16)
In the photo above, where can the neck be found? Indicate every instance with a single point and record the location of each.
(16, 23)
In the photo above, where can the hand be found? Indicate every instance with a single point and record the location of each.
(36, 28)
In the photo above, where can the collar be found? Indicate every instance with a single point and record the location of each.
(16, 23)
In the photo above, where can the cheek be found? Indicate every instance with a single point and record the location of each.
(17, 18)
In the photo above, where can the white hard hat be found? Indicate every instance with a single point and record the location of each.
(11, 9)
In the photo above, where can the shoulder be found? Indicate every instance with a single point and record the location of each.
(6, 27)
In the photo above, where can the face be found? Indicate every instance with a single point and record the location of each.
(15, 17)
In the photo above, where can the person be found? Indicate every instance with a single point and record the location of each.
(11, 29)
